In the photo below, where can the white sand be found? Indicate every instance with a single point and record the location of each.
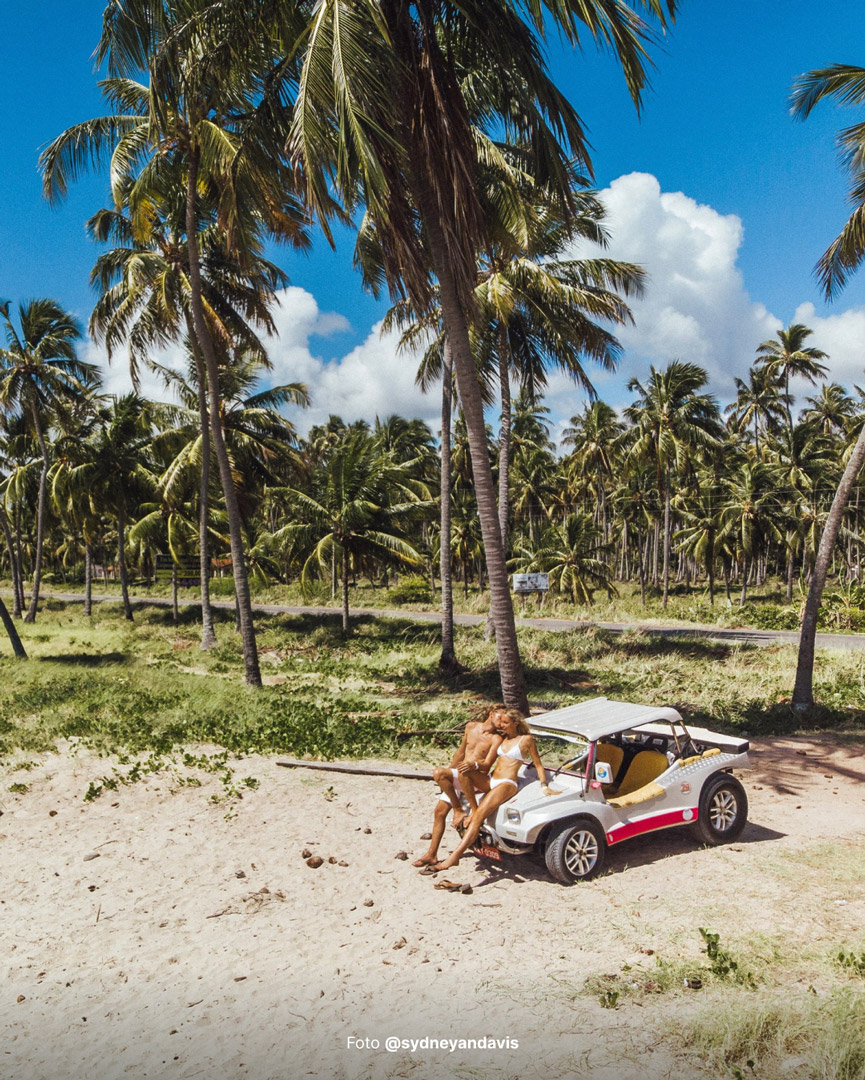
(201, 946)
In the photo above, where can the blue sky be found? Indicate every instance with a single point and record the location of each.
(761, 195)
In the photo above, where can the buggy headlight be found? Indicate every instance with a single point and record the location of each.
(514, 816)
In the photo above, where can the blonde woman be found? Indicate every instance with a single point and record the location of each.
(517, 749)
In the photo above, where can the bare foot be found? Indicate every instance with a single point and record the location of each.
(425, 860)
(458, 820)
(447, 864)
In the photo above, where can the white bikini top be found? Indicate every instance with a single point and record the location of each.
(514, 753)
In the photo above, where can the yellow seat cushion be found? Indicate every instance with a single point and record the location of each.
(610, 753)
(645, 767)
(643, 794)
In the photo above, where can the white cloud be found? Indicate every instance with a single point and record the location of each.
(696, 307)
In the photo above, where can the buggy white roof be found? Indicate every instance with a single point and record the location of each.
(599, 717)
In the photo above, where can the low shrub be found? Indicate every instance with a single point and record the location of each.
(410, 590)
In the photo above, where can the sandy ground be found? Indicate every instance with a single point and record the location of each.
(198, 943)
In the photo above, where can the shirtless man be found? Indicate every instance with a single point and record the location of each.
(468, 772)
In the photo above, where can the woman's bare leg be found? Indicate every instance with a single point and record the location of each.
(491, 801)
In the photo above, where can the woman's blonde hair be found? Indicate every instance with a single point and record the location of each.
(517, 717)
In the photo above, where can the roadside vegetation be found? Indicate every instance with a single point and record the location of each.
(145, 686)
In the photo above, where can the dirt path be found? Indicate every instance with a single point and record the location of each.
(198, 943)
(721, 633)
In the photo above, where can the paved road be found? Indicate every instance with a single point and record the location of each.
(716, 633)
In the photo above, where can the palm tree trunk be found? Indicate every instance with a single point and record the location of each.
(40, 519)
(345, 623)
(14, 569)
(121, 562)
(803, 691)
(746, 569)
(790, 559)
(666, 535)
(656, 552)
(175, 610)
(12, 631)
(205, 341)
(208, 634)
(501, 607)
(504, 457)
(448, 659)
(88, 579)
(504, 437)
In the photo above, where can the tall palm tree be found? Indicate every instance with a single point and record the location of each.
(145, 302)
(846, 84)
(194, 117)
(787, 355)
(757, 402)
(383, 113)
(750, 513)
(116, 473)
(672, 421)
(38, 368)
(594, 436)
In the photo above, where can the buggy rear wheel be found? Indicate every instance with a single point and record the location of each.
(723, 811)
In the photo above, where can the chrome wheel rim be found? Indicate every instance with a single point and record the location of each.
(723, 810)
(581, 853)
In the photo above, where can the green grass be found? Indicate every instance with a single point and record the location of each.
(794, 1036)
(146, 685)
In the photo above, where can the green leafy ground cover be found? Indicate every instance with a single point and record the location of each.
(147, 686)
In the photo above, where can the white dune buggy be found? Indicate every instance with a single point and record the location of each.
(625, 770)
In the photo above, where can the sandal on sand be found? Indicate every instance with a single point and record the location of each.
(428, 871)
(450, 886)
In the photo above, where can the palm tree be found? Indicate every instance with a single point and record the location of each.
(672, 421)
(571, 552)
(757, 402)
(383, 112)
(145, 302)
(357, 507)
(594, 436)
(832, 410)
(537, 310)
(750, 513)
(194, 118)
(38, 368)
(788, 355)
(845, 83)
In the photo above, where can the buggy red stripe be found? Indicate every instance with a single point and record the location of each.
(651, 822)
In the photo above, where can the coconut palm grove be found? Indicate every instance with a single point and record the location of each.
(438, 134)
(432, 572)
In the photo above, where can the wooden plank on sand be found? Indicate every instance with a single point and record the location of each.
(363, 770)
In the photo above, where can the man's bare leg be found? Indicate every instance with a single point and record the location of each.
(471, 783)
(438, 831)
(445, 780)
(488, 803)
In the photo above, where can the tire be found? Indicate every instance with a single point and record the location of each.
(575, 851)
(723, 811)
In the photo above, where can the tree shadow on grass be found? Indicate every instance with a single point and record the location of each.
(88, 659)
(159, 615)
(365, 631)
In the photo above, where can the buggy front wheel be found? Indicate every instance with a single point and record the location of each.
(575, 851)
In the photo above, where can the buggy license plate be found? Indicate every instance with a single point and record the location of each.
(487, 852)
